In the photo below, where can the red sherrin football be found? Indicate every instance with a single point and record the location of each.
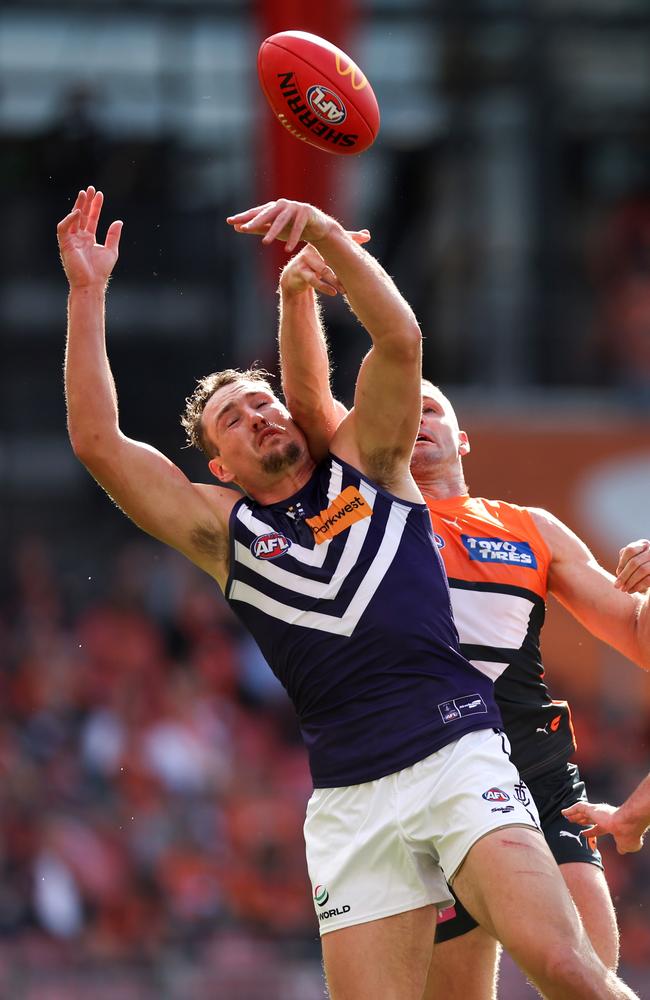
(318, 93)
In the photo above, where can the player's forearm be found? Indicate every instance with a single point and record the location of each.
(91, 399)
(372, 294)
(634, 814)
(304, 359)
(643, 631)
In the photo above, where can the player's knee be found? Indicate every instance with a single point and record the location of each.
(575, 968)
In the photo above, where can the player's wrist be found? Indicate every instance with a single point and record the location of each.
(630, 822)
(331, 231)
(292, 288)
(88, 289)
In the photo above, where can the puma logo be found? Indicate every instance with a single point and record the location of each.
(576, 836)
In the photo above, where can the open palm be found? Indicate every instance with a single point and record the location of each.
(86, 262)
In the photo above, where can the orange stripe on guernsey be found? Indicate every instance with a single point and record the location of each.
(351, 70)
(345, 510)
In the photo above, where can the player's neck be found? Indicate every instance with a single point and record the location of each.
(440, 482)
(279, 488)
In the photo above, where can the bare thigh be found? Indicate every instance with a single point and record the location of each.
(387, 958)
(511, 884)
(590, 892)
(465, 968)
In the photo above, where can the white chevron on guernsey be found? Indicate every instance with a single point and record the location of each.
(302, 585)
(310, 557)
(346, 623)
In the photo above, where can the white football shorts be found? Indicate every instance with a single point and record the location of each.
(387, 846)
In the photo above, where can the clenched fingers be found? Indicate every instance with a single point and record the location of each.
(633, 570)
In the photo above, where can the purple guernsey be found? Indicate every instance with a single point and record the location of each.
(343, 589)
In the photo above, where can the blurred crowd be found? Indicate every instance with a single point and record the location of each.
(153, 790)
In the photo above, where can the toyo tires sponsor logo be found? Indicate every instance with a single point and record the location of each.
(498, 550)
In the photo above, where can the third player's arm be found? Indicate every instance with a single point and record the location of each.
(304, 355)
(379, 434)
(587, 590)
(628, 824)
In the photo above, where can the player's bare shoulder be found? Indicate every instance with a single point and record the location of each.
(563, 543)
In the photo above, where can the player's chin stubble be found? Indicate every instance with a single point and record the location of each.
(283, 459)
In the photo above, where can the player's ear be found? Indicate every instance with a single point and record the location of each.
(220, 471)
(464, 445)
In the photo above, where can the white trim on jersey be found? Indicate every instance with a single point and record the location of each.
(346, 623)
(485, 618)
(309, 557)
(300, 584)
(490, 668)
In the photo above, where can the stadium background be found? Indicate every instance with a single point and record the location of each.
(152, 781)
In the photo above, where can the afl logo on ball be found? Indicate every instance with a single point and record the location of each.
(326, 105)
(270, 546)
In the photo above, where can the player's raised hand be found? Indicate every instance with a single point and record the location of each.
(308, 270)
(633, 570)
(86, 262)
(290, 221)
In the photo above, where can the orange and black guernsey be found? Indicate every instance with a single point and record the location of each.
(497, 564)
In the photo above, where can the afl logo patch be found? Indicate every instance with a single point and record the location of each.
(496, 795)
(326, 105)
(270, 546)
(439, 540)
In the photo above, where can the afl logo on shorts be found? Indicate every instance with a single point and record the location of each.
(496, 795)
(270, 546)
(326, 105)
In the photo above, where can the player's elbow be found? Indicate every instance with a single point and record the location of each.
(405, 341)
(89, 446)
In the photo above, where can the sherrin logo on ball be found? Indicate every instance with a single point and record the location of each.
(317, 93)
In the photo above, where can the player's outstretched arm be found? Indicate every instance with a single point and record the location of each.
(149, 488)
(588, 591)
(628, 824)
(379, 434)
(302, 343)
